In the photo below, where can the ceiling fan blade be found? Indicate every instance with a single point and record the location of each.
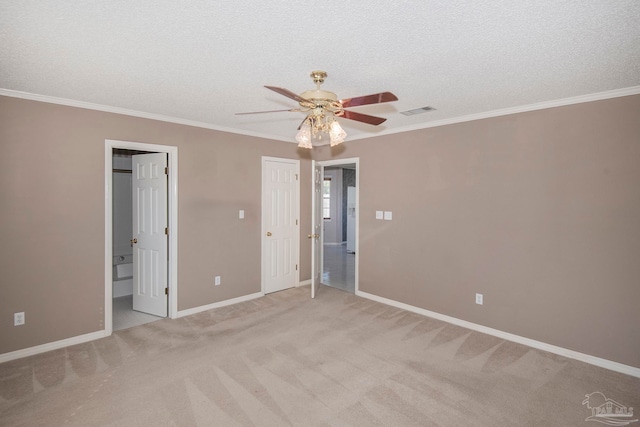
(376, 98)
(270, 111)
(364, 118)
(287, 93)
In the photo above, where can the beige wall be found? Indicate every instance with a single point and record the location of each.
(538, 211)
(52, 215)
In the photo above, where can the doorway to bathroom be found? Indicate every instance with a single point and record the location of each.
(141, 233)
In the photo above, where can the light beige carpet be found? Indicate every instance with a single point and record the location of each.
(285, 359)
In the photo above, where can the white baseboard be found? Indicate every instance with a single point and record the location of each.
(219, 304)
(593, 360)
(80, 339)
(32, 351)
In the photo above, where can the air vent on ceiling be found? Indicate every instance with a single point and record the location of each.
(417, 111)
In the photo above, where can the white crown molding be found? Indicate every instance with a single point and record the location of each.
(133, 113)
(617, 93)
(592, 360)
(599, 96)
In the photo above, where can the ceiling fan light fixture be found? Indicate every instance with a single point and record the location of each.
(323, 107)
(336, 134)
(303, 137)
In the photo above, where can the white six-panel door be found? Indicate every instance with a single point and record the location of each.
(149, 240)
(280, 239)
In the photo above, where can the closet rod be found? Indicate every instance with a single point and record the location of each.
(121, 171)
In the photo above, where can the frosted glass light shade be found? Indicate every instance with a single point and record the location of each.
(336, 134)
(303, 137)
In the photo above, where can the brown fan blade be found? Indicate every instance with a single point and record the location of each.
(287, 93)
(270, 111)
(364, 118)
(376, 98)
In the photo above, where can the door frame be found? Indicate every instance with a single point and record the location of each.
(263, 230)
(338, 162)
(172, 211)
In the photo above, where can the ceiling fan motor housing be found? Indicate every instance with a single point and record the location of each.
(321, 98)
(319, 95)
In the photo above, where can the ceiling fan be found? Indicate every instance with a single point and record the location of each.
(322, 107)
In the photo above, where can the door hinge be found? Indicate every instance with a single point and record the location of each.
(296, 177)
(166, 291)
(296, 222)
(166, 171)
(166, 231)
(296, 267)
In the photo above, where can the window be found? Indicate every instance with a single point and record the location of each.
(326, 198)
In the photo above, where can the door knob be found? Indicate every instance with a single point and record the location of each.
(310, 236)
(268, 234)
(133, 241)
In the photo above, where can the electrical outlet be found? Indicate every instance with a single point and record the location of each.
(217, 281)
(18, 318)
(479, 299)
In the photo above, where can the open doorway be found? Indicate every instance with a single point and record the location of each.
(339, 217)
(124, 314)
(134, 257)
(334, 253)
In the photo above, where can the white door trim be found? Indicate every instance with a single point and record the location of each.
(263, 230)
(172, 193)
(337, 162)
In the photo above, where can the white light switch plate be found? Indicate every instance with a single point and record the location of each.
(379, 214)
(388, 215)
(241, 214)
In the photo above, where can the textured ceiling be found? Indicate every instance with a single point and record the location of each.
(202, 61)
